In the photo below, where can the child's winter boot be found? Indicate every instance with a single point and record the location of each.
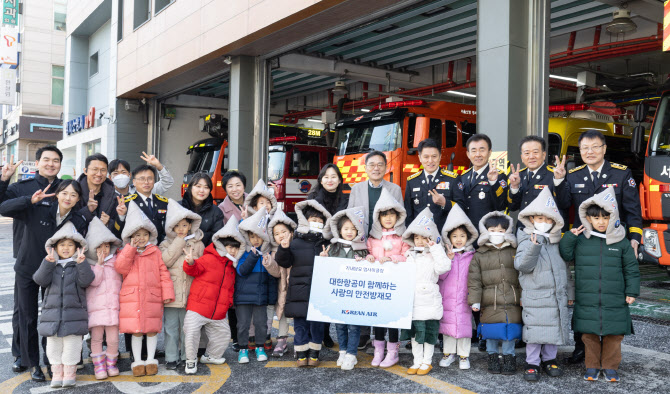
(57, 375)
(99, 365)
(302, 358)
(69, 375)
(379, 352)
(138, 368)
(112, 369)
(151, 367)
(280, 348)
(392, 358)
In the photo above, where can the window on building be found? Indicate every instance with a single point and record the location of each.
(93, 65)
(57, 84)
(141, 12)
(119, 22)
(92, 147)
(160, 4)
(60, 13)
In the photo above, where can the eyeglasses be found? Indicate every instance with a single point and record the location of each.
(96, 170)
(373, 166)
(144, 180)
(594, 149)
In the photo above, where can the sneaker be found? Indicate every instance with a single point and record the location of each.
(340, 359)
(260, 354)
(171, 365)
(447, 360)
(591, 374)
(280, 348)
(363, 342)
(551, 368)
(464, 363)
(191, 367)
(611, 375)
(207, 359)
(236, 347)
(243, 356)
(531, 373)
(349, 361)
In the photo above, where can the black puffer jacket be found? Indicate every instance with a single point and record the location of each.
(299, 257)
(106, 198)
(64, 307)
(212, 216)
(40, 225)
(330, 200)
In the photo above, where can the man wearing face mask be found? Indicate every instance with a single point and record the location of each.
(527, 183)
(119, 173)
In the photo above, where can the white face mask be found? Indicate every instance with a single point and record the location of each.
(316, 226)
(496, 238)
(455, 250)
(419, 249)
(121, 181)
(543, 227)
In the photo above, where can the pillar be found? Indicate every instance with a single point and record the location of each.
(512, 71)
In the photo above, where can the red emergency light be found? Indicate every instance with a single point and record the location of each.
(275, 140)
(664, 188)
(397, 104)
(568, 107)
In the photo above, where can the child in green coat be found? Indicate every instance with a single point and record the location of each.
(607, 280)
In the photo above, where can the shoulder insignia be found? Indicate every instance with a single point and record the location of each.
(577, 168)
(619, 166)
(550, 168)
(161, 198)
(414, 175)
(523, 169)
(448, 173)
(130, 197)
(466, 170)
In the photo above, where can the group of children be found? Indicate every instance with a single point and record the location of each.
(262, 266)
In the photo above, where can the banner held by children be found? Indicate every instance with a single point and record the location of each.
(362, 293)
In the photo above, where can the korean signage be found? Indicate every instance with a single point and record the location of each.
(81, 122)
(362, 293)
(7, 86)
(10, 12)
(9, 44)
(27, 169)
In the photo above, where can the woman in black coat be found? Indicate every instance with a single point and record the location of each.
(198, 199)
(328, 189)
(44, 214)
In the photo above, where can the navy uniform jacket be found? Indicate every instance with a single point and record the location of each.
(480, 196)
(160, 205)
(577, 187)
(417, 197)
(530, 188)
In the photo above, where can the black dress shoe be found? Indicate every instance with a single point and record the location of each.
(577, 357)
(328, 341)
(37, 375)
(17, 367)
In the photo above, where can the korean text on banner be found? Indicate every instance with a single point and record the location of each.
(7, 86)
(362, 293)
(9, 44)
(10, 12)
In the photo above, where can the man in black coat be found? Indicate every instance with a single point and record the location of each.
(48, 160)
(432, 187)
(98, 198)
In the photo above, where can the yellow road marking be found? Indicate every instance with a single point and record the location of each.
(218, 375)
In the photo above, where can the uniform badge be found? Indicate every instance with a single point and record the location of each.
(423, 181)
(631, 182)
(442, 186)
(482, 195)
(540, 186)
(416, 189)
(503, 183)
(460, 185)
(579, 185)
(416, 201)
(162, 211)
(604, 175)
(586, 178)
(537, 177)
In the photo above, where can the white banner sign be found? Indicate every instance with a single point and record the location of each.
(9, 46)
(362, 293)
(7, 86)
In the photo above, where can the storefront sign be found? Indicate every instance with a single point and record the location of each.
(9, 43)
(362, 293)
(27, 169)
(7, 86)
(10, 12)
(81, 122)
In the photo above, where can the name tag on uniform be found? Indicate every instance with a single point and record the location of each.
(162, 211)
(540, 186)
(610, 184)
(484, 183)
(416, 189)
(443, 186)
(579, 185)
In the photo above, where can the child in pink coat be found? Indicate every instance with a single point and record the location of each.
(102, 298)
(385, 244)
(146, 287)
(458, 235)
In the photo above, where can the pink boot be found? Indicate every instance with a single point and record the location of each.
(391, 355)
(56, 375)
(112, 370)
(69, 375)
(99, 365)
(379, 352)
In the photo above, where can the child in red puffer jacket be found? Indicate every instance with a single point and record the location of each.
(211, 295)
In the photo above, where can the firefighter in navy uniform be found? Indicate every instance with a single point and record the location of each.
(432, 187)
(527, 183)
(585, 181)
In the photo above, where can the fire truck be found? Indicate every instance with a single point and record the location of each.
(396, 128)
(296, 156)
(655, 188)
